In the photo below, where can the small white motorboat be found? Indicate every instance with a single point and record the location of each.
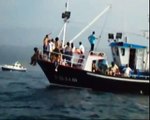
(15, 67)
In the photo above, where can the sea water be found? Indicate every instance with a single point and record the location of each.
(29, 96)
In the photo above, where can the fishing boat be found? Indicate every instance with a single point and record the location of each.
(15, 67)
(83, 75)
(85, 78)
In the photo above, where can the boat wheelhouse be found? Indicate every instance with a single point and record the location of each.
(123, 53)
(136, 56)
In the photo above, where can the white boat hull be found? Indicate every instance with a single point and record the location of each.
(13, 68)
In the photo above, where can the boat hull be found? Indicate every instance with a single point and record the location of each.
(10, 69)
(72, 77)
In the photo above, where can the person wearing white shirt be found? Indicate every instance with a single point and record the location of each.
(81, 48)
(52, 45)
(127, 71)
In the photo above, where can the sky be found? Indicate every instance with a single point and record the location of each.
(26, 22)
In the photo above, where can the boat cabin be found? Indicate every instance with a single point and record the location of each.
(136, 56)
(93, 58)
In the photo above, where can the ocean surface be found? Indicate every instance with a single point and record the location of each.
(29, 96)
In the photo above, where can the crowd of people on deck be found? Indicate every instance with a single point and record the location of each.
(112, 70)
(54, 51)
(50, 45)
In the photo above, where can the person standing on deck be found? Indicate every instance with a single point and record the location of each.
(57, 43)
(92, 40)
(48, 49)
(45, 44)
(81, 48)
(68, 53)
(73, 48)
(127, 71)
(52, 45)
(114, 69)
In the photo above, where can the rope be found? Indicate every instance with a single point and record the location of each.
(91, 23)
(105, 21)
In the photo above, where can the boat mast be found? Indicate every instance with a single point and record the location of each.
(91, 23)
(65, 17)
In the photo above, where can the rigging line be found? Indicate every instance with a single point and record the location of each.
(105, 21)
(91, 23)
(60, 33)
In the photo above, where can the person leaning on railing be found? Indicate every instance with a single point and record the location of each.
(127, 71)
(45, 43)
(68, 54)
(113, 70)
(56, 53)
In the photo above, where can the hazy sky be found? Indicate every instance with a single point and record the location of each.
(25, 22)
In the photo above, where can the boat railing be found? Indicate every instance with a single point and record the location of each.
(73, 59)
(98, 53)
